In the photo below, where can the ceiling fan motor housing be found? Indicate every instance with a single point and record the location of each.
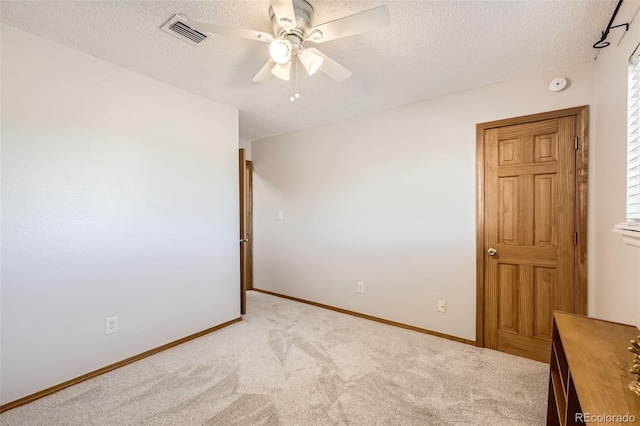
(304, 22)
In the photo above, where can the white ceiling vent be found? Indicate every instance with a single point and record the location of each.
(178, 27)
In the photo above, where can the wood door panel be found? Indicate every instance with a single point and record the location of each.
(525, 207)
(544, 282)
(545, 148)
(527, 290)
(507, 153)
(545, 210)
(508, 213)
(525, 301)
(529, 207)
(508, 293)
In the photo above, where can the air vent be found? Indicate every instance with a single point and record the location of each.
(178, 27)
(187, 32)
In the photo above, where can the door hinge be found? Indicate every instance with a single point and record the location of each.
(575, 238)
(576, 142)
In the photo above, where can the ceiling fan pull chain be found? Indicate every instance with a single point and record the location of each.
(295, 76)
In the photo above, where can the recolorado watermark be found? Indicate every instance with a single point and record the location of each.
(604, 418)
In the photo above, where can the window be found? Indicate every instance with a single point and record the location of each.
(630, 229)
(633, 142)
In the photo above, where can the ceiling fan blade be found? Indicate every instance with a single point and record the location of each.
(286, 16)
(358, 23)
(265, 72)
(331, 67)
(205, 27)
(282, 71)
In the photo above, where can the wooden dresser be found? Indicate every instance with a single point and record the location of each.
(589, 372)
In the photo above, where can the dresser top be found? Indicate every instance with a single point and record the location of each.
(599, 363)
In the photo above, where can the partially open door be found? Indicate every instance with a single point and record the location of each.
(244, 237)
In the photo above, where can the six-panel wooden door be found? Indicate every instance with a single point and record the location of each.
(530, 194)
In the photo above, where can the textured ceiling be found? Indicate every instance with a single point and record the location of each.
(430, 49)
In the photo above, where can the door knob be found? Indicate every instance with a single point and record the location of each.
(246, 240)
(492, 251)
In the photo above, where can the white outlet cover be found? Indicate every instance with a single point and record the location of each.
(110, 325)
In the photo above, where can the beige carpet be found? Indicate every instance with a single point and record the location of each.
(289, 363)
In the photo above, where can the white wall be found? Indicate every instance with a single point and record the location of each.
(119, 198)
(616, 266)
(388, 199)
(246, 144)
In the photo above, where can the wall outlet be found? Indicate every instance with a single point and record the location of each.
(360, 287)
(110, 325)
(280, 215)
(442, 306)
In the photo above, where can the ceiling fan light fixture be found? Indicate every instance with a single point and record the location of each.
(292, 23)
(311, 61)
(280, 51)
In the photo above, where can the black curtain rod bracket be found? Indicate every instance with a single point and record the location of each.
(601, 44)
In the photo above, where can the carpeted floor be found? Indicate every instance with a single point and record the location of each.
(289, 363)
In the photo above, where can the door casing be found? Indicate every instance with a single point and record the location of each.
(582, 119)
(249, 225)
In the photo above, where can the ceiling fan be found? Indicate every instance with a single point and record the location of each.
(293, 28)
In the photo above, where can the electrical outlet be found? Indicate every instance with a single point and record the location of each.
(360, 287)
(442, 306)
(111, 325)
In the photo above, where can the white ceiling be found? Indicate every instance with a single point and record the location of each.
(430, 49)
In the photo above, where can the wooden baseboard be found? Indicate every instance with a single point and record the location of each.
(371, 318)
(30, 398)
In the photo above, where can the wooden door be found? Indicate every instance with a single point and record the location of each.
(242, 165)
(530, 232)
